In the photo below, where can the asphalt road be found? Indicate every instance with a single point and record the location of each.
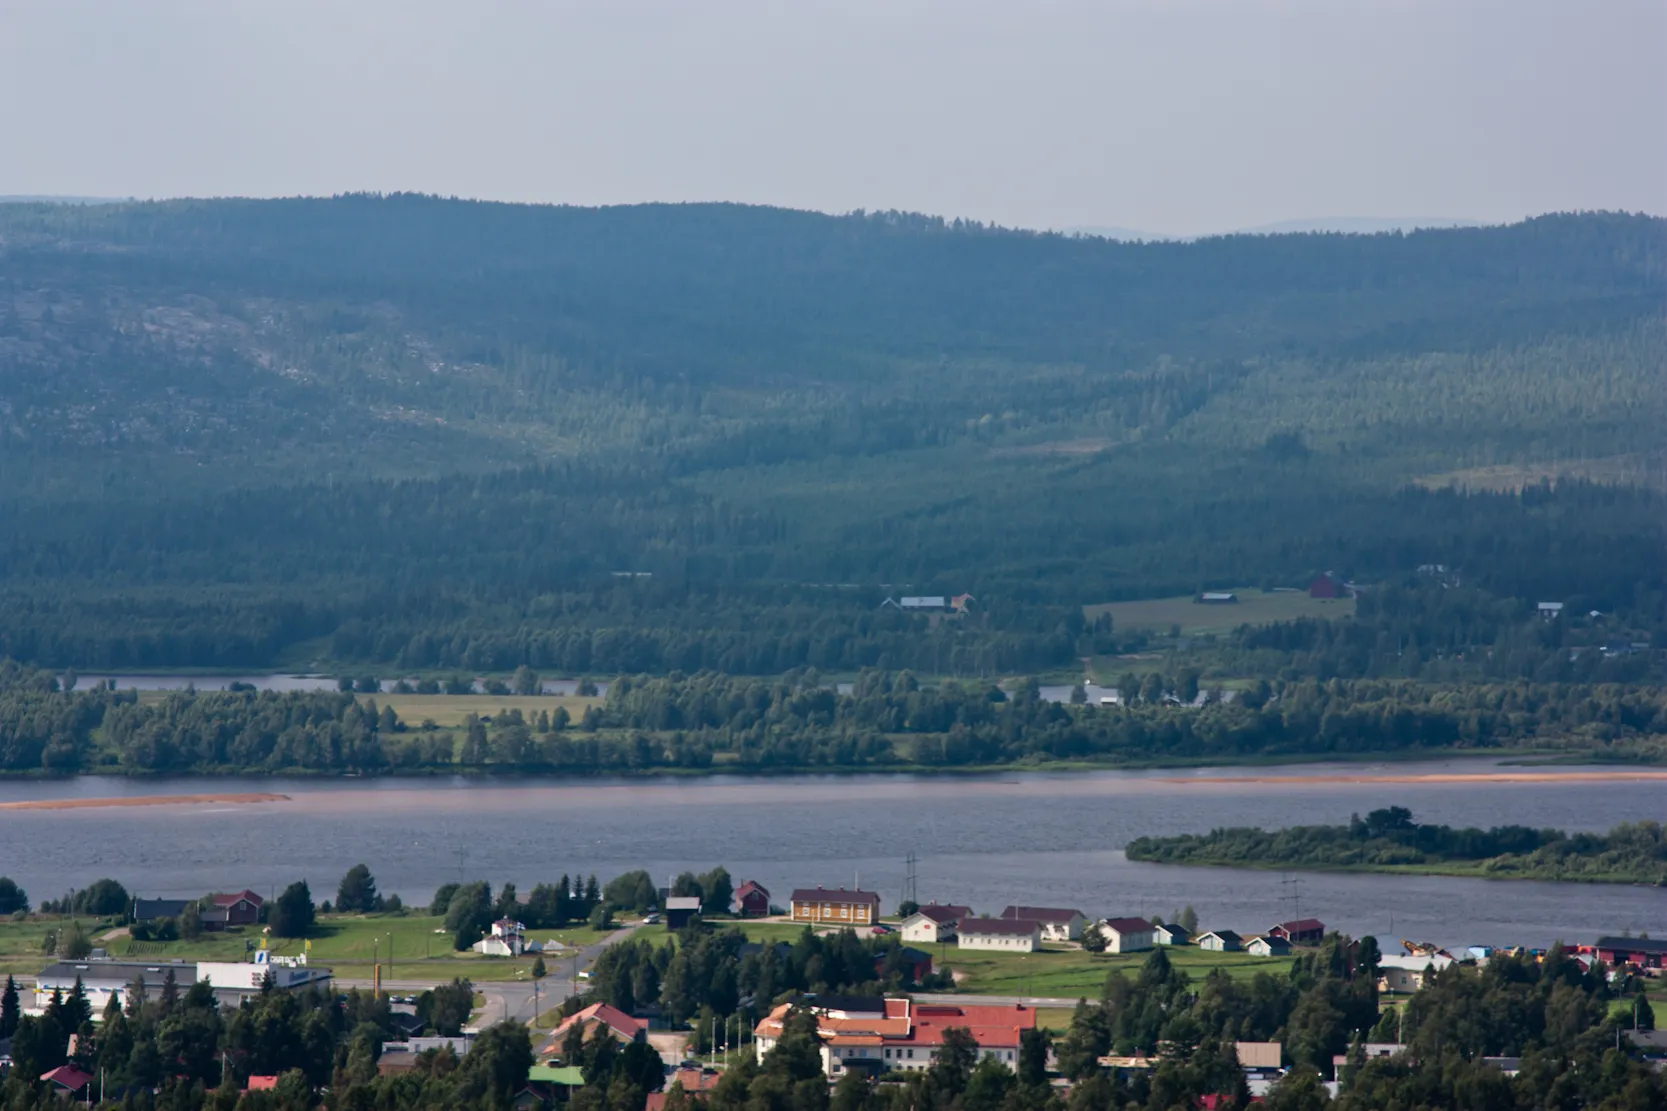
(515, 999)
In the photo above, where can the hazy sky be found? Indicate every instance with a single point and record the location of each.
(1175, 116)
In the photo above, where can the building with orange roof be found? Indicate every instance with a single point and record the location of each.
(594, 1019)
(879, 1035)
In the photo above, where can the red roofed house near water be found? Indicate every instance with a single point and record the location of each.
(240, 908)
(1302, 931)
(753, 899)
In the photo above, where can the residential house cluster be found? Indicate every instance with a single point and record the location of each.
(1023, 929)
(223, 911)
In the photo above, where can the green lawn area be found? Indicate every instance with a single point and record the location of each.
(1072, 973)
(346, 944)
(1061, 973)
(1254, 607)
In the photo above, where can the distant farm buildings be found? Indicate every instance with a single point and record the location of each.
(1328, 586)
(1217, 598)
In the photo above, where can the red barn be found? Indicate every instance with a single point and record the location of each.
(1328, 586)
(1642, 951)
(754, 899)
(1303, 931)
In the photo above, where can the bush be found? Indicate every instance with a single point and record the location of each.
(12, 897)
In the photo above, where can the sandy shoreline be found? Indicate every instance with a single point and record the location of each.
(139, 800)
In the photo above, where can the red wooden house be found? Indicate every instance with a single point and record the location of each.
(1302, 931)
(753, 899)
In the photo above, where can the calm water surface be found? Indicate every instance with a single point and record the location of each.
(1039, 839)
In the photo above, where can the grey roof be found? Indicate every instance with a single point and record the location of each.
(683, 902)
(106, 974)
(1010, 927)
(144, 910)
(1633, 944)
(851, 1004)
(1048, 915)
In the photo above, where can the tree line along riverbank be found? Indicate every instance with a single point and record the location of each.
(888, 721)
(1388, 840)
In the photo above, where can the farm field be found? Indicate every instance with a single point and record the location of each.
(449, 710)
(1254, 607)
(347, 944)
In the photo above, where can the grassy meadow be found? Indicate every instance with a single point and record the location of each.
(449, 710)
(1254, 607)
(349, 944)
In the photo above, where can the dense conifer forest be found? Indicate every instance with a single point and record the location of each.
(406, 435)
(1388, 839)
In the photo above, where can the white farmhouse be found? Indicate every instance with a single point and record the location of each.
(932, 922)
(1007, 935)
(1126, 935)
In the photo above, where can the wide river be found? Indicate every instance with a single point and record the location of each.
(1027, 838)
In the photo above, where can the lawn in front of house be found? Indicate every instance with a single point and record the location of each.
(1072, 973)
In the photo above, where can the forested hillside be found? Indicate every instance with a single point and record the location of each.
(435, 434)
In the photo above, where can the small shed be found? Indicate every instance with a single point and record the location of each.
(1268, 946)
(680, 909)
(1221, 941)
(1171, 933)
(1217, 598)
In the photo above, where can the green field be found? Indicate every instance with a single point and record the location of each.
(1254, 607)
(449, 710)
(1060, 973)
(1072, 973)
(347, 944)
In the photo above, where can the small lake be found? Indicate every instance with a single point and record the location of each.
(1027, 838)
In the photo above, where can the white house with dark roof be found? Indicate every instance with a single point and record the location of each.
(1055, 923)
(1171, 933)
(932, 922)
(1221, 941)
(1006, 935)
(1126, 935)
